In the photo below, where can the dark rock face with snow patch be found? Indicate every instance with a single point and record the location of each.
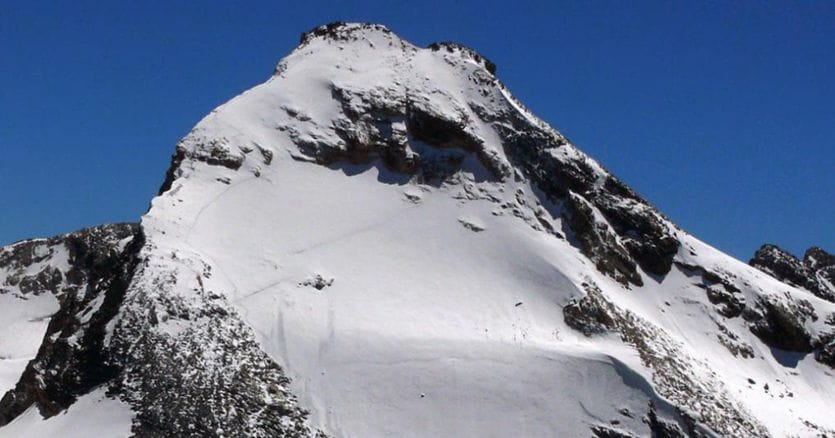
(543, 156)
(599, 241)
(411, 136)
(815, 273)
(673, 372)
(105, 333)
(72, 359)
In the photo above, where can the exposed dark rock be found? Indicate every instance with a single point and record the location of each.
(22, 254)
(340, 31)
(643, 231)
(822, 264)
(318, 282)
(670, 368)
(826, 354)
(588, 315)
(815, 273)
(778, 321)
(453, 47)
(660, 428)
(266, 154)
(604, 431)
(528, 149)
(434, 145)
(212, 152)
(728, 304)
(598, 241)
(649, 241)
(48, 280)
(728, 299)
(816, 258)
(781, 264)
(439, 132)
(16, 258)
(232, 388)
(406, 137)
(732, 341)
(173, 169)
(780, 324)
(71, 360)
(219, 156)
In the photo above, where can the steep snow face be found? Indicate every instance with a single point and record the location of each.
(422, 256)
(394, 227)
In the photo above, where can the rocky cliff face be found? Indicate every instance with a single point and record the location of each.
(815, 273)
(104, 333)
(87, 272)
(381, 240)
(782, 327)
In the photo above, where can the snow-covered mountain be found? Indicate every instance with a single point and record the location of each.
(380, 240)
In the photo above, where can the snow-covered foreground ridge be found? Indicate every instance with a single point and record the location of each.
(381, 241)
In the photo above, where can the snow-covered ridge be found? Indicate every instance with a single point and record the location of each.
(357, 93)
(380, 240)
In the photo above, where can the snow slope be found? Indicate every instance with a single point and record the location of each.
(434, 290)
(25, 315)
(92, 415)
(367, 216)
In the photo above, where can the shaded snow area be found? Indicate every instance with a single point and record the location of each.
(381, 241)
(93, 415)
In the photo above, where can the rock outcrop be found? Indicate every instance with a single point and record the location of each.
(815, 273)
(72, 359)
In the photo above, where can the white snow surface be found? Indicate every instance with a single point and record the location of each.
(439, 313)
(428, 327)
(24, 319)
(92, 415)
(22, 331)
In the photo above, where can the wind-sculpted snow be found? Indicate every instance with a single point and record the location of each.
(380, 240)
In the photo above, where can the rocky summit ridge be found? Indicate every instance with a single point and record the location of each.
(815, 272)
(381, 240)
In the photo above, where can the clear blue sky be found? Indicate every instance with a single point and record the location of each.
(721, 113)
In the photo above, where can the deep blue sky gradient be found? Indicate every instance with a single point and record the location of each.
(722, 114)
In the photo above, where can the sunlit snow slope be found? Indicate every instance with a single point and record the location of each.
(375, 215)
(439, 310)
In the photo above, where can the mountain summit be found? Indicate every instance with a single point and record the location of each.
(380, 240)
